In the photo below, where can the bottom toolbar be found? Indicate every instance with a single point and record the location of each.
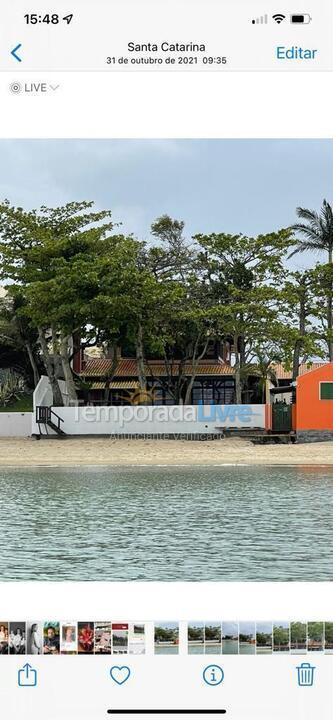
(291, 688)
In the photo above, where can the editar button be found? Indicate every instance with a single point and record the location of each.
(296, 53)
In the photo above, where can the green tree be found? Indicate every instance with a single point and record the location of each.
(15, 330)
(316, 631)
(328, 634)
(174, 256)
(129, 300)
(243, 275)
(51, 254)
(298, 634)
(195, 633)
(301, 338)
(280, 636)
(182, 328)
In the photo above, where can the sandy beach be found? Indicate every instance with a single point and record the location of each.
(18, 452)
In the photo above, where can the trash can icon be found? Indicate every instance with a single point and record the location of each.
(305, 673)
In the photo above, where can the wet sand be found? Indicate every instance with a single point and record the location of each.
(23, 452)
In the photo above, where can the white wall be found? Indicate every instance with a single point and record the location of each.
(15, 424)
(43, 392)
(176, 419)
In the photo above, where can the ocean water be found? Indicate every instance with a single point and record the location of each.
(166, 650)
(157, 523)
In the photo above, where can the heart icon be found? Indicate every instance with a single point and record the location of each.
(120, 674)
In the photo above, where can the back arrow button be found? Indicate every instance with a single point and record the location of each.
(14, 52)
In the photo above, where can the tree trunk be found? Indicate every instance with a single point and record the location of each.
(330, 311)
(299, 341)
(108, 379)
(32, 363)
(189, 388)
(238, 381)
(181, 382)
(49, 367)
(243, 378)
(55, 353)
(195, 363)
(296, 358)
(140, 359)
(68, 375)
(238, 385)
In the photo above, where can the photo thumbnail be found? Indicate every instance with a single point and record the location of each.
(51, 635)
(17, 638)
(68, 638)
(4, 638)
(264, 638)
(247, 638)
(120, 638)
(34, 638)
(86, 638)
(166, 636)
(103, 635)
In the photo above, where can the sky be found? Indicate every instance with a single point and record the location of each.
(233, 186)
(247, 628)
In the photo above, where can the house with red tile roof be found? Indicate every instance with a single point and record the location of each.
(103, 382)
(214, 381)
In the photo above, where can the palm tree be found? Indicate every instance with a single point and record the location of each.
(316, 232)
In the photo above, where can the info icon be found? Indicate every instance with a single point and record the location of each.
(213, 675)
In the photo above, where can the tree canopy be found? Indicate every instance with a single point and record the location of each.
(70, 273)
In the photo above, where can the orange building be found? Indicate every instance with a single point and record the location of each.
(314, 404)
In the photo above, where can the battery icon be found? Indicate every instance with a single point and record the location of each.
(304, 19)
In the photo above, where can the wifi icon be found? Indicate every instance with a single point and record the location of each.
(279, 18)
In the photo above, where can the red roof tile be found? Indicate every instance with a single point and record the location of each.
(128, 367)
(283, 374)
(116, 385)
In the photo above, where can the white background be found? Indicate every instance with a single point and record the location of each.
(149, 105)
(168, 601)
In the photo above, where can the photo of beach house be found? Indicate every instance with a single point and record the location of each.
(281, 637)
(329, 638)
(264, 638)
(213, 637)
(298, 638)
(116, 382)
(247, 638)
(230, 638)
(196, 638)
(167, 335)
(166, 638)
(315, 639)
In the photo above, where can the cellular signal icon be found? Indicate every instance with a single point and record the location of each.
(262, 20)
